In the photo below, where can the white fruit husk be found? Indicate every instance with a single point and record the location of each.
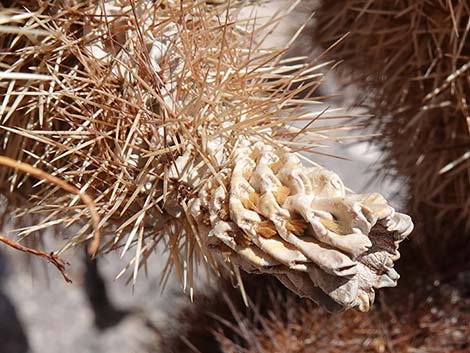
(273, 215)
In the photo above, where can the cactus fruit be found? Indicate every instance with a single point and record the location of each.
(180, 126)
(273, 215)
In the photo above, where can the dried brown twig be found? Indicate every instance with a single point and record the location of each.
(51, 257)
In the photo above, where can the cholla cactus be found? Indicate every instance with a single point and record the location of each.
(180, 127)
(411, 60)
(293, 328)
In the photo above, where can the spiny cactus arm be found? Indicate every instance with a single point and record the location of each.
(178, 127)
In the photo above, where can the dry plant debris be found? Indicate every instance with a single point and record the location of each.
(52, 258)
(411, 60)
(154, 109)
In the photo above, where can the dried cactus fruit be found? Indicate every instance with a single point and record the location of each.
(273, 215)
(178, 124)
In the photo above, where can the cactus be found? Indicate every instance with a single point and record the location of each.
(180, 126)
(410, 60)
